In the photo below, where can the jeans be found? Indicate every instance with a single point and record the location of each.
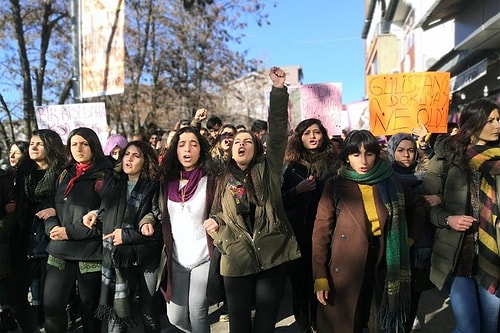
(188, 307)
(474, 308)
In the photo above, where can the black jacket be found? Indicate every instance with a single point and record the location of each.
(115, 207)
(84, 244)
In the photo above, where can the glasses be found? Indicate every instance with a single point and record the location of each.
(227, 135)
(15, 152)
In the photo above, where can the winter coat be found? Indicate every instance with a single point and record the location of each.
(146, 249)
(301, 207)
(273, 241)
(340, 245)
(448, 180)
(84, 244)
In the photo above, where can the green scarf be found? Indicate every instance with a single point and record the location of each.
(486, 160)
(380, 171)
(395, 305)
(39, 190)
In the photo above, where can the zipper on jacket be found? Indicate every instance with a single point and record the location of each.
(252, 243)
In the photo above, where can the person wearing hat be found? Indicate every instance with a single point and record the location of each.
(114, 145)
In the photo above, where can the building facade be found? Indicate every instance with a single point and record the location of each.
(248, 99)
(457, 36)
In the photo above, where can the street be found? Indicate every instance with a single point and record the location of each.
(434, 313)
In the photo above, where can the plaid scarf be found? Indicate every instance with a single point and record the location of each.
(395, 305)
(114, 300)
(486, 160)
(39, 190)
(320, 164)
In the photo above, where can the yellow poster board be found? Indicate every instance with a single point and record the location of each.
(400, 102)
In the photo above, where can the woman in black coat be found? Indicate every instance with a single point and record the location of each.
(310, 162)
(132, 239)
(75, 251)
(36, 175)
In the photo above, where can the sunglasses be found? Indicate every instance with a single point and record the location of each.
(226, 135)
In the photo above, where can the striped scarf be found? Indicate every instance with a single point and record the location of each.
(486, 160)
(395, 305)
(114, 302)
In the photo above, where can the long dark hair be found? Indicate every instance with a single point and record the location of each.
(473, 118)
(295, 150)
(95, 145)
(150, 168)
(231, 165)
(171, 167)
(53, 146)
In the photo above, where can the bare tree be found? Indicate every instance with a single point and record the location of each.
(178, 58)
(29, 30)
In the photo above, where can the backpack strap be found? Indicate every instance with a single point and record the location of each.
(98, 181)
(61, 176)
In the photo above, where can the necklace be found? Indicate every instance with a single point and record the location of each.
(183, 196)
(183, 190)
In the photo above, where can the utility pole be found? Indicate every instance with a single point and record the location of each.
(75, 37)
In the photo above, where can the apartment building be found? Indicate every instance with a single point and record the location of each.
(457, 36)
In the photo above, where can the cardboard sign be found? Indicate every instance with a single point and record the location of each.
(322, 101)
(64, 118)
(400, 102)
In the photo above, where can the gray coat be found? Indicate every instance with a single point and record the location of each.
(451, 183)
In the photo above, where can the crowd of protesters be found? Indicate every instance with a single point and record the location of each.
(359, 225)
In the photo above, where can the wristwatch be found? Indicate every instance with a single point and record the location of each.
(446, 222)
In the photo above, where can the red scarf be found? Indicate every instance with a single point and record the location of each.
(80, 170)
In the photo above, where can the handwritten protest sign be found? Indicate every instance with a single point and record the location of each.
(319, 100)
(324, 102)
(64, 118)
(399, 102)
